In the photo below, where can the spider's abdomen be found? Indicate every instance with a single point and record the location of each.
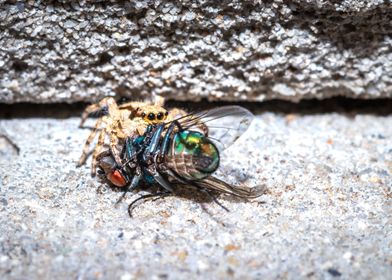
(192, 155)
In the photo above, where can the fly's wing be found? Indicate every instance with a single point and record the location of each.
(215, 184)
(223, 125)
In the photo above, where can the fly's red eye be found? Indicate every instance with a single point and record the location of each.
(116, 178)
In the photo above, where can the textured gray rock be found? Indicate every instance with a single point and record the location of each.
(67, 51)
(326, 212)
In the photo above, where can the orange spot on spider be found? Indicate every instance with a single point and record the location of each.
(117, 179)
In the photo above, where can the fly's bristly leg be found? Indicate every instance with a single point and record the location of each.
(199, 188)
(134, 183)
(131, 206)
(154, 144)
(162, 181)
(166, 138)
(213, 198)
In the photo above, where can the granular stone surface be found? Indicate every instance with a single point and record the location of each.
(69, 51)
(326, 211)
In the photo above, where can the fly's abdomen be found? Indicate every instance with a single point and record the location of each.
(192, 155)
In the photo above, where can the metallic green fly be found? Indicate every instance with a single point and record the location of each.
(185, 151)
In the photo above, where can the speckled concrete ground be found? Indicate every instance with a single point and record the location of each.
(326, 213)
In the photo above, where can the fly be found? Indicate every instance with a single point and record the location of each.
(185, 151)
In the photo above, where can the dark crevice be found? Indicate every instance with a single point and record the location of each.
(19, 65)
(104, 58)
(346, 106)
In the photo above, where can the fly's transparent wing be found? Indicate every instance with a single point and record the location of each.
(215, 184)
(222, 125)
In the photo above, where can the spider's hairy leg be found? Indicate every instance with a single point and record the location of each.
(107, 103)
(90, 109)
(97, 151)
(114, 148)
(140, 126)
(90, 139)
(159, 100)
(132, 106)
(175, 113)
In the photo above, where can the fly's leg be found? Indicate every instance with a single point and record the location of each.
(162, 181)
(166, 138)
(150, 156)
(153, 147)
(213, 198)
(144, 197)
(90, 138)
(134, 183)
(129, 148)
(199, 188)
(129, 153)
(97, 151)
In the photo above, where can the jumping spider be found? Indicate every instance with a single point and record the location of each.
(120, 121)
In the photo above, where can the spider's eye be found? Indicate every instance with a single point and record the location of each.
(143, 115)
(151, 116)
(166, 113)
(160, 116)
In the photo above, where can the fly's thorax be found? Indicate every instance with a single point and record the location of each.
(192, 155)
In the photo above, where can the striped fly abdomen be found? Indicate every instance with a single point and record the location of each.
(192, 155)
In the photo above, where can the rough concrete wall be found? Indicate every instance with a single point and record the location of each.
(67, 51)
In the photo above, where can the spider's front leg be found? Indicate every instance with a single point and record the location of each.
(90, 138)
(113, 145)
(132, 107)
(175, 113)
(102, 106)
(97, 151)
